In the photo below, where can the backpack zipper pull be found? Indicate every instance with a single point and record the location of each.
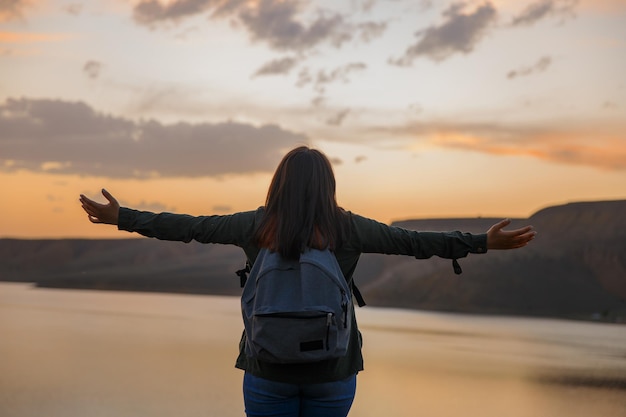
(344, 307)
(329, 322)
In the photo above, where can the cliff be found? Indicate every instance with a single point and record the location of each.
(576, 267)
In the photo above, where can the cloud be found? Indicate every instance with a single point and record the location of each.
(338, 118)
(323, 77)
(335, 161)
(540, 66)
(415, 108)
(72, 138)
(277, 66)
(460, 32)
(541, 9)
(276, 22)
(73, 9)
(92, 69)
(600, 148)
(368, 31)
(339, 74)
(153, 206)
(284, 25)
(12, 9)
(222, 209)
(304, 77)
(318, 101)
(164, 98)
(150, 12)
(566, 147)
(425, 4)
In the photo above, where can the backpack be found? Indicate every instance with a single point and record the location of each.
(296, 311)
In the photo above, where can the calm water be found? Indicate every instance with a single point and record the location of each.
(66, 353)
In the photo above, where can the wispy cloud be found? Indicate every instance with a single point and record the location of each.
(600, 148)
(92, 69)
(605, 151)
(542, 9)
(273, 21)
(222, 209)
(277, 66)
(540, 66)
(284, 25)
(72, 138)
(324, 77)
(366, 5)
(337, 119)
(459, 32)
(151, 12)
(368, 31)
(12, 9)
(73, 9)
(463, 28)
(276, 22)
(154, 206)
(608, 104)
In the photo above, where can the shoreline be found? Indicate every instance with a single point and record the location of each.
(593, 318)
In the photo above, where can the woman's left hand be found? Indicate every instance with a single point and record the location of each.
(101, 213)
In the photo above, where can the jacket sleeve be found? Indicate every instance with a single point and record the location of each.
(235, 229)
(370, 236)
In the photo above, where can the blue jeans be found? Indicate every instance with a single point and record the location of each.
(264, 398)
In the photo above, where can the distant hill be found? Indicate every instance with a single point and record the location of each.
(576, 267)
(137, 264)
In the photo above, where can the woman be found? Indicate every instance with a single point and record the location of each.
(301, 211)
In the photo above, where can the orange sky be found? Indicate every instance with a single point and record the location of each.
(427, 109)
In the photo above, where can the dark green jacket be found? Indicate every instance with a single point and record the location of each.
(362, 235)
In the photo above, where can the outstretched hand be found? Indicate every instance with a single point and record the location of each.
(513, 239)
(101, 213)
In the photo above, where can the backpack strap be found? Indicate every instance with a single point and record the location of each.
(243, 277)
(243, 274)
(456, 267)
(357, 294)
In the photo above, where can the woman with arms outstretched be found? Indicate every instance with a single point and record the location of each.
(301, 212)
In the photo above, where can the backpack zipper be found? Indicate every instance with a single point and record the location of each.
(344, 307)
(329, 322)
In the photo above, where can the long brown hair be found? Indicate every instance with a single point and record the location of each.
(301, 208)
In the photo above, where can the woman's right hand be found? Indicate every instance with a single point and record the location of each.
(101, 213)
(513, 239)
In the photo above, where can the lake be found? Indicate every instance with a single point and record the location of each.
(76, 353)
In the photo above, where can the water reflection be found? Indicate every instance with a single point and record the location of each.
(449, 365)
(88, 353)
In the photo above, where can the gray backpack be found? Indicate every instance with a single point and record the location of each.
(296, 311)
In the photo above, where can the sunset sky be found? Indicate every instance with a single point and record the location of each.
(426, 108)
